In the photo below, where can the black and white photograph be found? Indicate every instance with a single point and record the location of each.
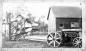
(45, 25)
(42, 25)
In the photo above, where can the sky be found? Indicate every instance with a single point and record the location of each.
(37, 9)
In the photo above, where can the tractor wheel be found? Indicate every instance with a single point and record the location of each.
(77, 42)
(13, 33)
(14, 30)
(54, 39)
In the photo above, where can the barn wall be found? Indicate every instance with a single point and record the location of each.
(51, 23)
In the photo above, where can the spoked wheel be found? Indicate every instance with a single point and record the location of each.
(54, 39)
(13, 33)
(14, 30)
(77, 42)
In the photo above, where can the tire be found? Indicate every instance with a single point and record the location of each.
(54, 39)
(77, 42)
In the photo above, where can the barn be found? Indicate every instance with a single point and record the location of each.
(63, 12)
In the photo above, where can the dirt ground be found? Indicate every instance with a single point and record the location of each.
(23, 44)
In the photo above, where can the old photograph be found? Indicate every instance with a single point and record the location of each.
(41, 25)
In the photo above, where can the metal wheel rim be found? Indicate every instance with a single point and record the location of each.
(77, 42)
(54, 39)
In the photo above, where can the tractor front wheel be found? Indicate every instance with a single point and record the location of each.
(77, 42)
(54, 39)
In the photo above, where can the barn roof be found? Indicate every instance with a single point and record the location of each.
(62, 11)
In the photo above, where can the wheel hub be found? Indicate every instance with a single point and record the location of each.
(54, 39)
